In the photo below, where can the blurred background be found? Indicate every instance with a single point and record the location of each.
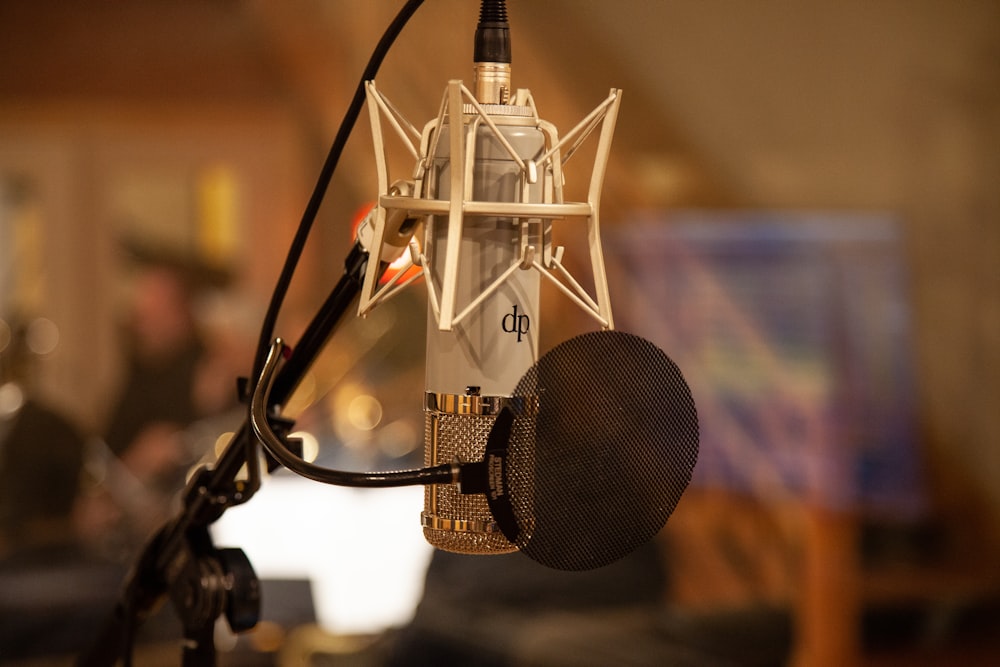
(801, 209)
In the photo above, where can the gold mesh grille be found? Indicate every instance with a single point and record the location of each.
(462, 438)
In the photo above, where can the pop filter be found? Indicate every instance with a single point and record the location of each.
(596, 450)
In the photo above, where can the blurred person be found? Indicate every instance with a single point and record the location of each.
(41, 456)
(174, 378)
(51, 589)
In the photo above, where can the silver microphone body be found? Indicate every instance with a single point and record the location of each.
(473, 368)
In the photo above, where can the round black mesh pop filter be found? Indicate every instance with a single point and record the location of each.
(597, 470)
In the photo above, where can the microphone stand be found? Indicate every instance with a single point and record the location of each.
(180, 561)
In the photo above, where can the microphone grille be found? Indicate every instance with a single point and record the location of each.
(453, 521)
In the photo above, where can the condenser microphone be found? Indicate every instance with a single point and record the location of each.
(477, 219)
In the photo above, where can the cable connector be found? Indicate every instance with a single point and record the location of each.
(491, 55)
